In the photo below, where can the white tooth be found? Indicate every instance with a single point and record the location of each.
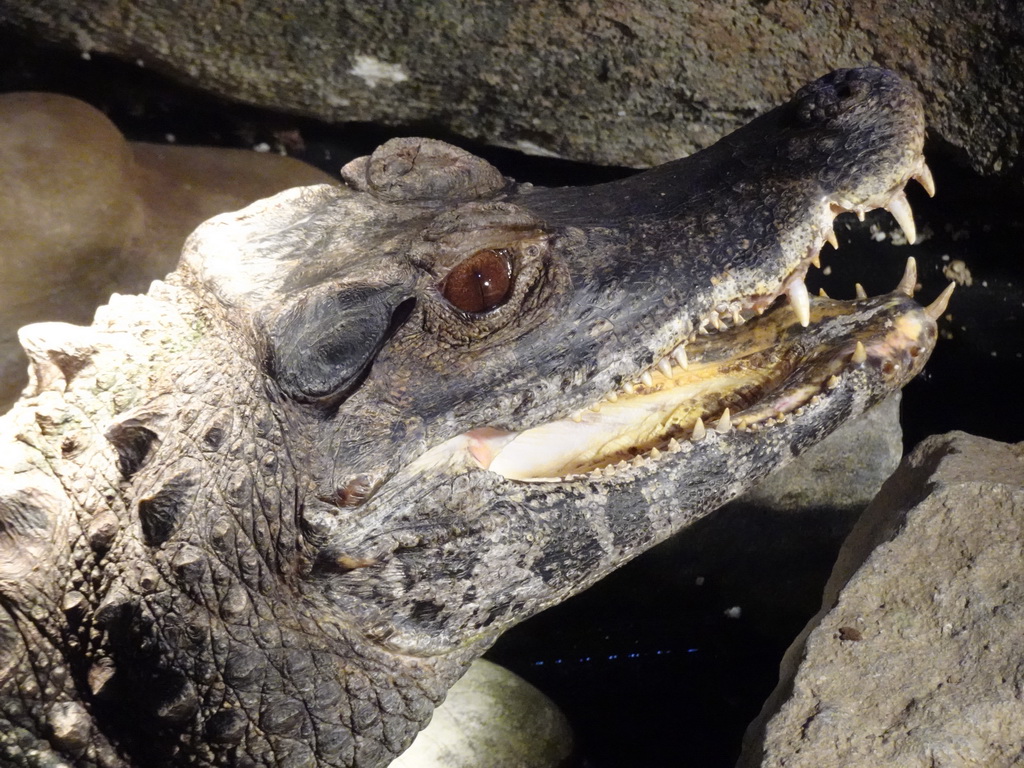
(628, 388)
(860, 214)
(925, 179)
(646, 379)
(665, 367)
(679, 355)
(937, 307)
(612, 397)
(673, 445)
(833, 382)
(859, 354)
(821, 292)
(724, 424)
(900, 209)
(716, 323)
(816, 260)
(737, 318)
(577, 417)
(797, 292)
(655, 453)
(831, 239)
(698, 430)
(859, 289)
(909, 280)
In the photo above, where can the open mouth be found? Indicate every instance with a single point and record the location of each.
(738, 379)
(751, 364)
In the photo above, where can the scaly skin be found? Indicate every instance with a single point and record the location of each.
(265, 514)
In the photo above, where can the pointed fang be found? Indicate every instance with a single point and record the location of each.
(937, 307)
(831, 239)
(900, 209)
(665, 367)
(797, 292)
(925, 179)
(646, 379)
(679, 355)
(859, 290)
(699, 430)
(724, 424)
(909, 280)
(821, 292)
(859, 354)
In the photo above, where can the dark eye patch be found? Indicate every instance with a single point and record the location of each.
(323, 342)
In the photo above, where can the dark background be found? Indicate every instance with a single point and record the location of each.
(647, 665)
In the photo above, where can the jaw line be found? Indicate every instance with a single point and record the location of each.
(672, 417)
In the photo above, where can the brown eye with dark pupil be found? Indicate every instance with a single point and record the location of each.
(480, 283)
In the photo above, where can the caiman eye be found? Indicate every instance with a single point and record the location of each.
(479, 283)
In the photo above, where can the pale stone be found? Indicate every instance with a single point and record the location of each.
(491, 718)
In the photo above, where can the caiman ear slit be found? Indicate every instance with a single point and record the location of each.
(324, 341)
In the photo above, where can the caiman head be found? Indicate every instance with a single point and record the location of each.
(392, 418)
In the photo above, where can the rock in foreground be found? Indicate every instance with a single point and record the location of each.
(915, 658)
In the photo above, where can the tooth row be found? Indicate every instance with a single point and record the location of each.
(796, 289)
(677, 357)
(725, 423)
(722, 426)
(796, 292)
(897, 205)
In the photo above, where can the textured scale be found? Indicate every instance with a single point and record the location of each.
(244, 519)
